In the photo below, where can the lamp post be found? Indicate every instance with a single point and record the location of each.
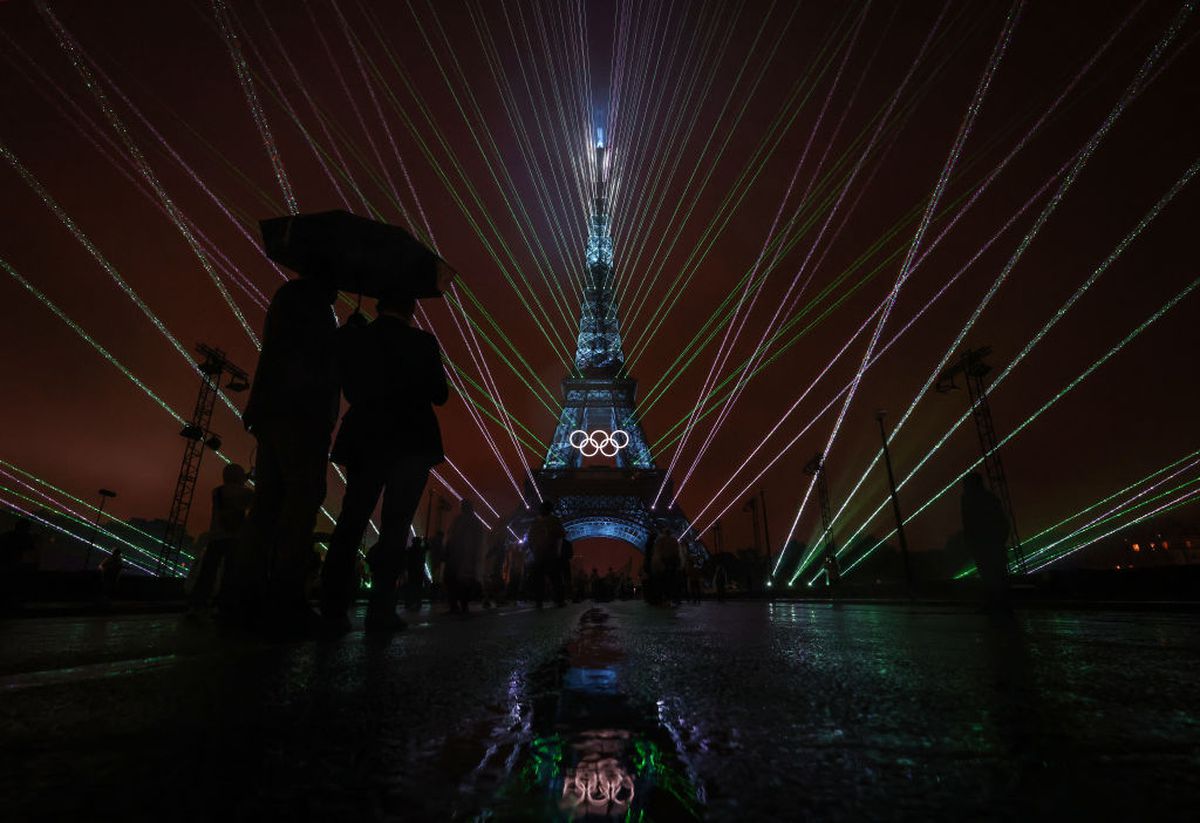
(752, 507)
(105, 494)
(887, 460)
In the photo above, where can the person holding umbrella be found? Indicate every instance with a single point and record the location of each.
(388, 442)
(294, 399)
(291, 412)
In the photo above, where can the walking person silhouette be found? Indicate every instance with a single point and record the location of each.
(389, 440)
(464, 558)
(545, 534)
(515, 571)
(292, 408)
(230, 502)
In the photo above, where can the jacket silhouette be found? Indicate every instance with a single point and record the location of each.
(392, 372)
(464, 557)
(296, 378)
(392, 376)
(292, 408)
(545, 538)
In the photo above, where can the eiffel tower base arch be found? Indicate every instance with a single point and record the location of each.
(608, 502)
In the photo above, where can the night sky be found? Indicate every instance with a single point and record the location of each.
(472, 120)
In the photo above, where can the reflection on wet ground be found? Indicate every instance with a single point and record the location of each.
(741, 711)
(592, 753)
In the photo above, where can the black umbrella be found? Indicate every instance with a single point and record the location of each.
(355, 254)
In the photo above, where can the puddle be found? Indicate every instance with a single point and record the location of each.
(576, 747)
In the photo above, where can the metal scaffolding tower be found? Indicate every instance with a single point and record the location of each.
(971, 364)
(197, 434)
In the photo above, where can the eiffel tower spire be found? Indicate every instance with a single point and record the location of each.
(598, 350)
(598, 467)
(597, 397)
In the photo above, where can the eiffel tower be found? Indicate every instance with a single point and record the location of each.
(599, 468)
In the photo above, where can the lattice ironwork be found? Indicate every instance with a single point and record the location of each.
(971, 364)
(609, 499)
(197, 435)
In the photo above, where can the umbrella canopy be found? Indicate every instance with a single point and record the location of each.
(355, 254)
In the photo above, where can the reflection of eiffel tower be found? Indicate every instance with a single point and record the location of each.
(610, 496)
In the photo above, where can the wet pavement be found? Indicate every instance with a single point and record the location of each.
(735, 711)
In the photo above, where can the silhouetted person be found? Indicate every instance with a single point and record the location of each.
(110, 571)
(493, 577)
(985, 531)
(464, 550)
(292, 408)
(545, 535)
(437, 564)
(18, 564)
(414, 563)
(515, 571)
(720, 582)
(230, 502)
(594, 591)
(388, 442)
(666, 566)
(652, 593)
(566, 552)
(610, 583)
(691, 569)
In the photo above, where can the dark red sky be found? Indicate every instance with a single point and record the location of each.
(71, 418)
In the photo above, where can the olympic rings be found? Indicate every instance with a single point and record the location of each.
(599, 442)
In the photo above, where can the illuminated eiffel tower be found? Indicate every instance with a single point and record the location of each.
(599, 468)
